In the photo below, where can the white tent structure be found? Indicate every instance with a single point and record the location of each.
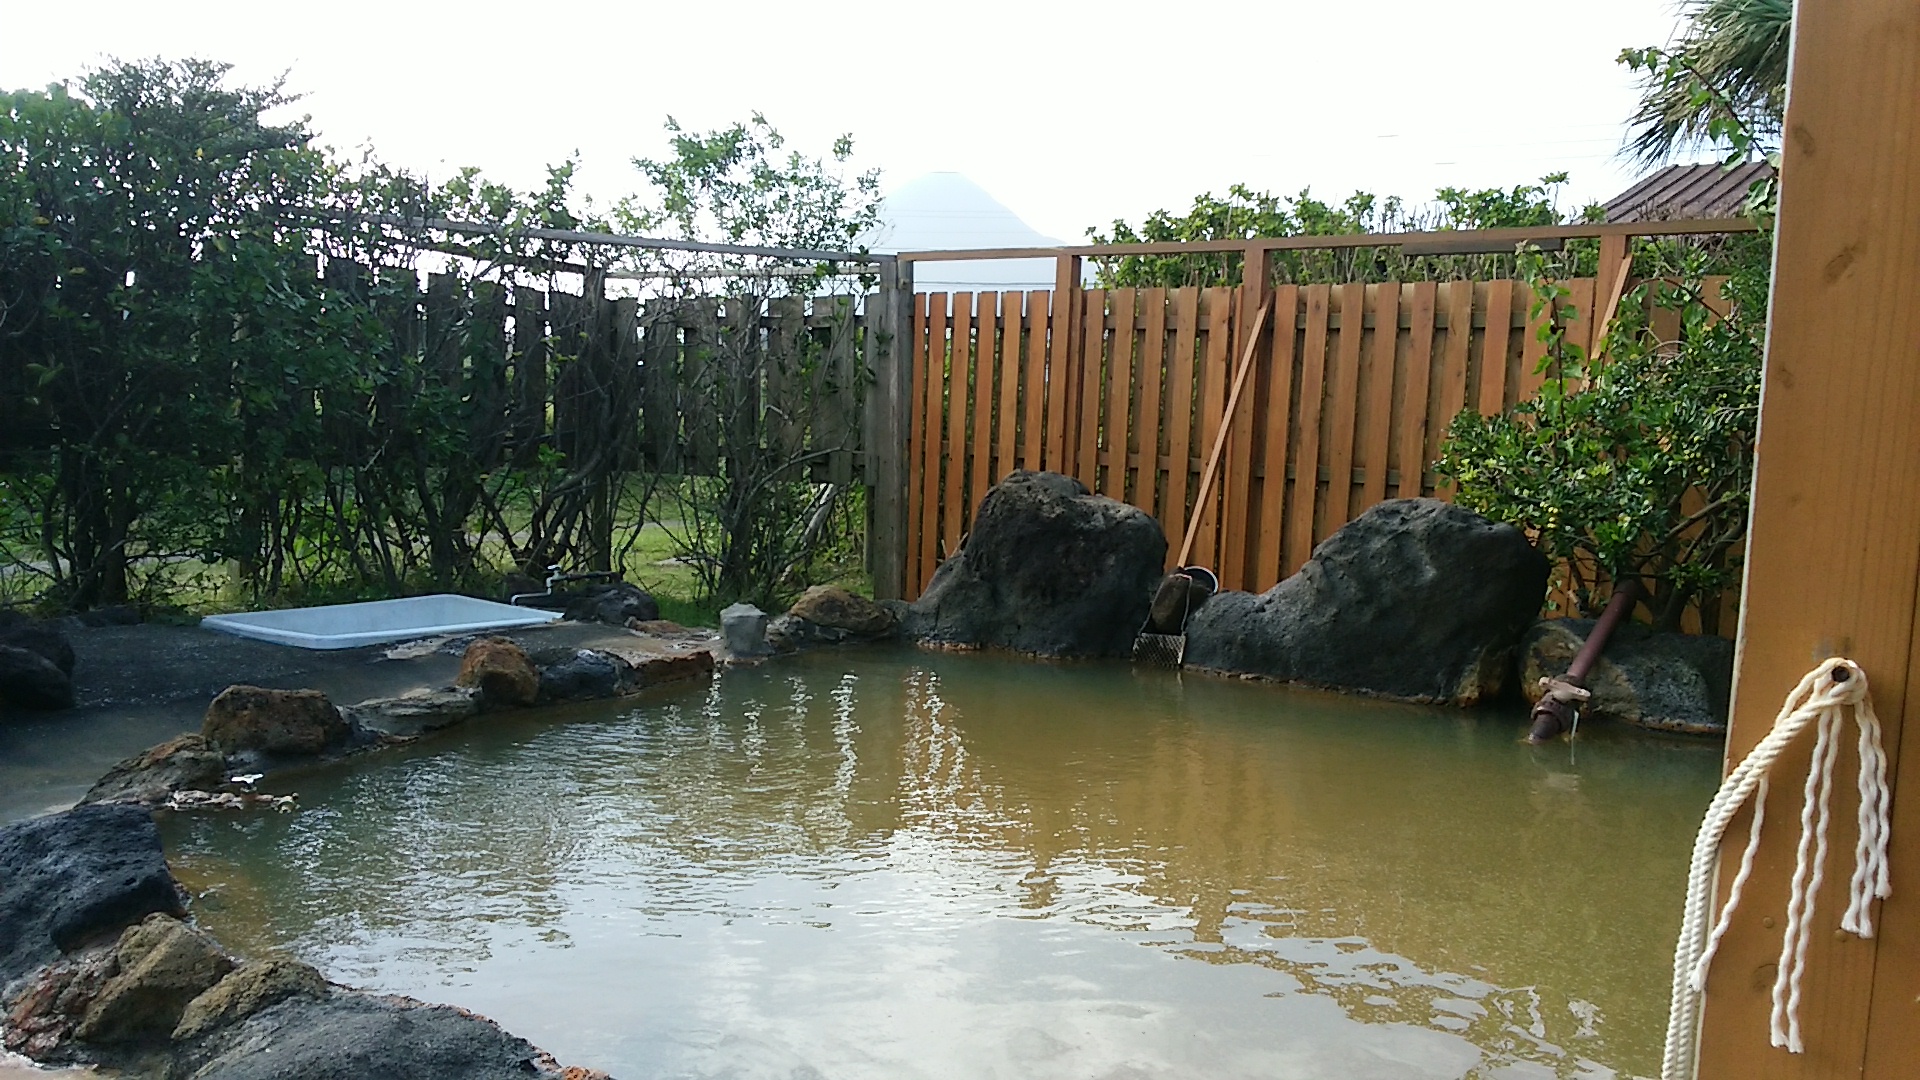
(945, 211)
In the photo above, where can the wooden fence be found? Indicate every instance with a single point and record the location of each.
(645, 380)
(1126, 389)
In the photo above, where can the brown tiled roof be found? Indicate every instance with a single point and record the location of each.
(1680, 192)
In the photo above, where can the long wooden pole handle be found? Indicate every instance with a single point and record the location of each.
(1226, 425)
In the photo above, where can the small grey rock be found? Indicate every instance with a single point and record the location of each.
(744, 628)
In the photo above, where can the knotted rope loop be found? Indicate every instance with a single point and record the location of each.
(1821, 701)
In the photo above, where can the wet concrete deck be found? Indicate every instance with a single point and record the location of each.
(141, 685)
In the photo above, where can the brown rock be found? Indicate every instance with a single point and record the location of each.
(183, 763)
(164, 964)
(502, 671)
(276, 721)
(659, 669)
(835, 607)
(48, 1006)
(246, 990)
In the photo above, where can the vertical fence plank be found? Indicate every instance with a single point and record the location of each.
(1493, 347)
(1119, 390)
(1268, 553)
(917, 491)
(1007, 415)
(955, 511)
(1454, 361)
(1578, 323)
(1306, 463)
(1238, 500)
(837, 418)
(1414, 454)
(1533, 348)
(1153, 356)
(1034, 392)
(886, 440)
(1089, 345)
(980, 449)
(529, 368)
(1342, 399)
(1214, 376)
(1377, 433)
(935, 395)
(1180, 377)
(1061, 378)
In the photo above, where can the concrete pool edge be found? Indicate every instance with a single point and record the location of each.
(339, 626)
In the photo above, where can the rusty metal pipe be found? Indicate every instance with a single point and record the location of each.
(1553, 714)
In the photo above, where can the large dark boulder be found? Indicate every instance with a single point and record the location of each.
(613, 603)
(29, 680)
(37, 636)
(70, 877)
(1668, 682)
(1415, 599)
(1048, 569)
(355, 1036)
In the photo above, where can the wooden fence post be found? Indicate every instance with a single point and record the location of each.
(889, 359)
(1833, 556)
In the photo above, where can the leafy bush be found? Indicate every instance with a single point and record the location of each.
(1637, 463)
(1245, 214)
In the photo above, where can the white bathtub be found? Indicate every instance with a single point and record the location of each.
(345, 626)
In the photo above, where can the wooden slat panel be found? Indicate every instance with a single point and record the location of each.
(1306, 462)
(1269, 554)
(1376, 435)
(929, 342)
(1091, 346)
(1579, 324)
(786, 386)
(1414, 452)
(1453, 361)
(1533, 349)
(1153, 356)
(837, 423)
(1493, 348)
(1180, 378)
(1061, 377)
(1007, 416)
(1214, 374)
(1034, 392)
(954, 511)
(1342, 394)
(1119, 392)
(980, 447)
(1238, 498)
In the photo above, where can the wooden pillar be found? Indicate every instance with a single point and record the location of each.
(890, 359)
(1833, 559)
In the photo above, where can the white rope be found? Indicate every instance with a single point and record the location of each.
(1820, 699)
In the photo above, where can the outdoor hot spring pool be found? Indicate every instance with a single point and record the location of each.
(905, 864)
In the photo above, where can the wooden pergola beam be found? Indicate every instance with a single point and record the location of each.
(1833, 556)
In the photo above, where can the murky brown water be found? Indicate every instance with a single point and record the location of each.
(900, 864)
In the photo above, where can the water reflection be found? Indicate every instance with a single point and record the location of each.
(859, 865)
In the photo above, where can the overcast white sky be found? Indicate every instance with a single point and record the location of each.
(1070, 113)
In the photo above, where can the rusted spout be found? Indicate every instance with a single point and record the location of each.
(1553, 713)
